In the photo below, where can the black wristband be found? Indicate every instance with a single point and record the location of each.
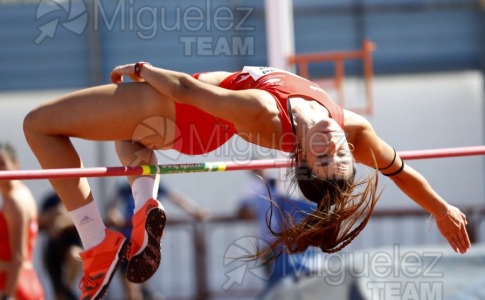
(392, 162)
(397, 172)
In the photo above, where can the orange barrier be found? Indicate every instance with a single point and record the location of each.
(338, 58)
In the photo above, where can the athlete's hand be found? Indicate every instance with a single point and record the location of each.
(125, 70)
(453, 227)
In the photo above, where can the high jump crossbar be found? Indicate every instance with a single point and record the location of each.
(210, 166)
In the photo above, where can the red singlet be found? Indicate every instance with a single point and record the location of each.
(200, 132)
(28, 285)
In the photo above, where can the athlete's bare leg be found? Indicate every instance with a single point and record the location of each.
(133, 153)
(104, 113)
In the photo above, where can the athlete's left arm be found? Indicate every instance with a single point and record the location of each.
(371, 150)
(250, 110)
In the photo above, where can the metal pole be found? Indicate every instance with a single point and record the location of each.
(279, 32)
(211, 166)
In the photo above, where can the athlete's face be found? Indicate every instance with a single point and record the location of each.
(328, 153)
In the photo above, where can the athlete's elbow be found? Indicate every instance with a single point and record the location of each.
(183, 89)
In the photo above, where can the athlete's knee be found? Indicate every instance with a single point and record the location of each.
(35, 122)
(30, 122)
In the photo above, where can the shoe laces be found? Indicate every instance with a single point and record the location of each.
(86, 281)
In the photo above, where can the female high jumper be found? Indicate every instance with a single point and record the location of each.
(264, 106)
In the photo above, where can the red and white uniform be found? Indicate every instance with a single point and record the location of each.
(200, 132)
(28, 284)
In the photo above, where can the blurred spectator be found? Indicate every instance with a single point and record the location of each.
(62, 248)
(119, 216)
(18, 235)
(256, 204)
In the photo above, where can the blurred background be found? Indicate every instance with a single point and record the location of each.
(414, 68)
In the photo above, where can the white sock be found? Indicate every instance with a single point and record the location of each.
(89, 225)
(144, 189)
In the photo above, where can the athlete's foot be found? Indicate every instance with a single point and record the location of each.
(145, 253)
(100, 264)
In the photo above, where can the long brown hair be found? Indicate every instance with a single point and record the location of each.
(334, 223)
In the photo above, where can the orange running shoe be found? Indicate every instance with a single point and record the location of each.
(100, 264)
(145, 253)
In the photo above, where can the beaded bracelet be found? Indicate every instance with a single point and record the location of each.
(437, 219)
(443, 216)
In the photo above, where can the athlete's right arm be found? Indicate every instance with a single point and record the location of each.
(213, 78)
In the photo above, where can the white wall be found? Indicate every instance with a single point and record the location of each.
(435, 111)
